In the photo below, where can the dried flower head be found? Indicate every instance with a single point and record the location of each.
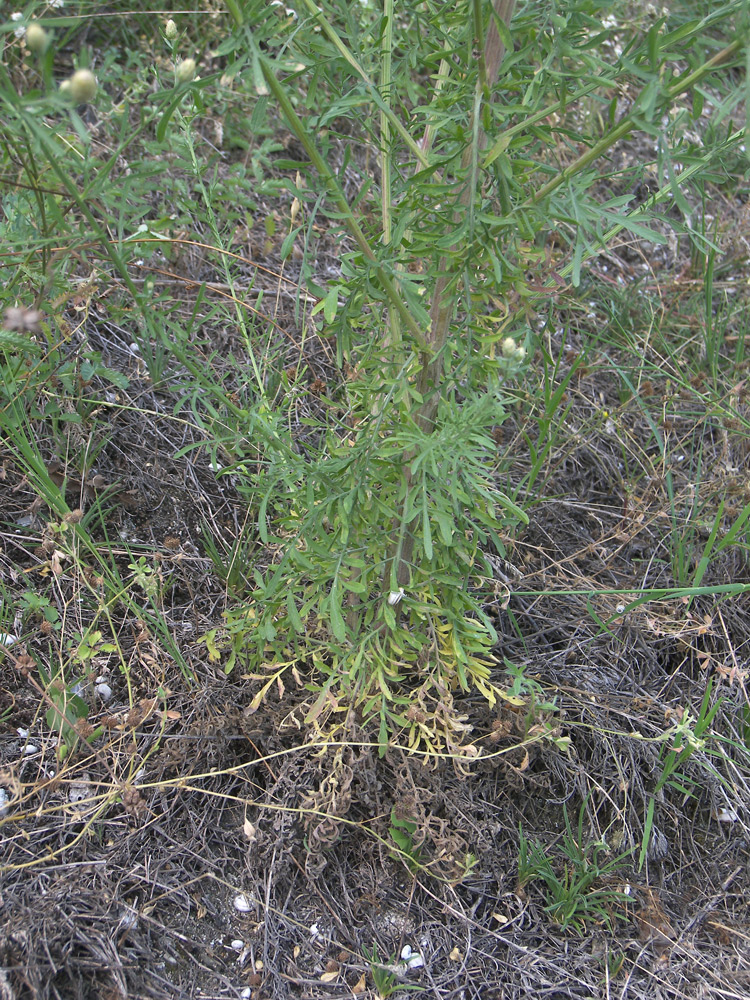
(170, 30)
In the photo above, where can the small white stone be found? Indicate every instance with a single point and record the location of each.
(29, 749)
(3, 802)
(415, 962)
(7, 639)
(104, 691)
(246, 993)
(727, 815)
(406, 952)
(242, 903)
(23, 733)
(238, 945)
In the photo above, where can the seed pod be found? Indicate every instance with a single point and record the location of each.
(170, 30)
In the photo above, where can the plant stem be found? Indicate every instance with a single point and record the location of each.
(342, 204)
(443, 301)
(627, 125)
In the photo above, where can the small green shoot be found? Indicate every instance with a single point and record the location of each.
(576, 892)
(401, 832)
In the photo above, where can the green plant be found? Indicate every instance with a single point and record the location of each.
(613, 961)
(385, 976)
(38, 607)
(68, 711)
(385, 981)
(401, 831)
(681, 742)
(576, 890)
(376, 533)
(538, 711)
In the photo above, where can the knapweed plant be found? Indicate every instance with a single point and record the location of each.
(376, 526)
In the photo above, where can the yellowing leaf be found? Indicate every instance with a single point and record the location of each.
(360, 986)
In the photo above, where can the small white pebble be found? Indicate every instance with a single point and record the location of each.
(29, 749)
(7, 639)
(104, 691)
(3, 802)
(415, 962)
(246, 993)
(23, 733)
(727, 815)
(242, 903)
(406, 952)
(238, 945)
